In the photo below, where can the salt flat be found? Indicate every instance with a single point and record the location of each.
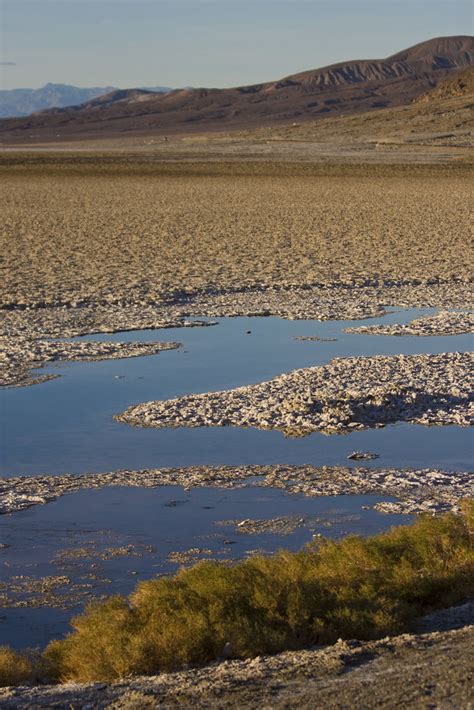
(122, 231)
(144, 237)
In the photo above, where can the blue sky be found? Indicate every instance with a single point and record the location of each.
(207, 42)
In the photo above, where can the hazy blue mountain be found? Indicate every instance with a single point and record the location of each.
(23, 102)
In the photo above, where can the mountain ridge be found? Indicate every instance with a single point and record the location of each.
(342, 88)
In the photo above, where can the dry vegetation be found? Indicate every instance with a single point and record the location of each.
(87, 229)
(361, 588)
(15, 668)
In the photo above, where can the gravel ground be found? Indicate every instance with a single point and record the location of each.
(427, 670)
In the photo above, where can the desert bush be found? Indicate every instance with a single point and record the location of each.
(102, 645)
(467, 510)
(15, 668)
(357, 587)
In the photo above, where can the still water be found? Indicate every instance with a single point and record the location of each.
(71, 536)
(66, 425)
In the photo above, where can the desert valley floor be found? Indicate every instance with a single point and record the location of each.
(208, 329)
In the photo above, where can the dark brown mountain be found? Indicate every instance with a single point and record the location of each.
(347, 87)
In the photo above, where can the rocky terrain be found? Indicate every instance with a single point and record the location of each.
(436, 668)
(417, 491)
(461, 84)
(342, 396)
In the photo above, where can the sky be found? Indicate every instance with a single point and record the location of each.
(217, 43)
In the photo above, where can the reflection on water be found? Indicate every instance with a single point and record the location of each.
(66, 424)
(103, 541)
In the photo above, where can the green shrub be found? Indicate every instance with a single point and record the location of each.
(15, 668)
(357, 587)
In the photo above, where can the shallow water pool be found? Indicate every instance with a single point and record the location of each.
(66, 425)
(105, 541)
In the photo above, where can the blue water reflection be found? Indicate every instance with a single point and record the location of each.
(66, 424)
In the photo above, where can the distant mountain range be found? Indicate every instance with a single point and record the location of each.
(344, 88)
(23, 102)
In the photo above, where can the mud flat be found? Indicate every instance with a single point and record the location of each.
(358, 299)
(442, 323)
(347, 394)
(79, 574)
(316, 302)
(53, 591)
(281, 525)
(23, 331)
(436, 668)
(424, 490)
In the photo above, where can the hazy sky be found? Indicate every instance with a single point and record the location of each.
(207, 42)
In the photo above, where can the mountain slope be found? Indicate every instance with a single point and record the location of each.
(344, 88)
(439, 54)
(462, 84)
